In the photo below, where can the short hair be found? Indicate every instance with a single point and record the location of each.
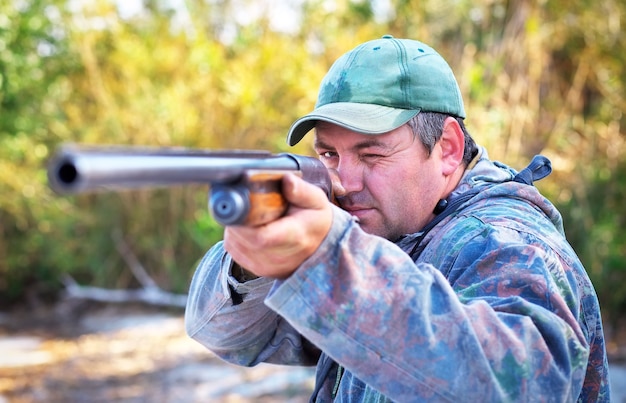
(428, 126)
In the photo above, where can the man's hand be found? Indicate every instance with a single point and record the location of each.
(277, 249)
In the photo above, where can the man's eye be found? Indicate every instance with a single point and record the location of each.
(327, 154)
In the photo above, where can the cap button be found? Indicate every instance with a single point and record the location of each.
(387, 36)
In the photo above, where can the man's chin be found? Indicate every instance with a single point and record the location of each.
(373, 229)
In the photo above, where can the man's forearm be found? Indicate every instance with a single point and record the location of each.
(243, 331)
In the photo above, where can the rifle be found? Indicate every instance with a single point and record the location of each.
(245, 185)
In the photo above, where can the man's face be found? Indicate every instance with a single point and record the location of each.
(387, 181)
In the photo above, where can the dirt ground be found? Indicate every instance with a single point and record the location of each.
(93, 353)
(88, 352)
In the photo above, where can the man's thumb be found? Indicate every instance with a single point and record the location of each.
(302, 194)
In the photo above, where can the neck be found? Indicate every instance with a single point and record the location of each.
(453, 181)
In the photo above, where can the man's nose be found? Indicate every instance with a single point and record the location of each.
(346, 180)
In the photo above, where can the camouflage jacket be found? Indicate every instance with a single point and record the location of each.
(497, 307)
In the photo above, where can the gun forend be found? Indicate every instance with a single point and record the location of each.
(245, 184)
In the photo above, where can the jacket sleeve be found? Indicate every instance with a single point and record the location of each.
(245, 332)
(403, 329)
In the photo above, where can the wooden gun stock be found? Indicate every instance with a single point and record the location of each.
(259, 193)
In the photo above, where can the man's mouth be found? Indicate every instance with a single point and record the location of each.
(358, 211)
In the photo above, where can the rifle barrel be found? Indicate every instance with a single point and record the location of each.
(82, 169)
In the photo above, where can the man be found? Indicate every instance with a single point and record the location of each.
(440, 275)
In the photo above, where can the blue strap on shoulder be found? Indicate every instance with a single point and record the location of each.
(539, 168)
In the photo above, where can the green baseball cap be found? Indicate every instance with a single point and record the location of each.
(380, 85)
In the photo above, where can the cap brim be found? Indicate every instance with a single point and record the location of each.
(361, 118)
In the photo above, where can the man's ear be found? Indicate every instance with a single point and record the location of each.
(452, 143)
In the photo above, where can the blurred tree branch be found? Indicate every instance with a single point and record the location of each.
(149, 293)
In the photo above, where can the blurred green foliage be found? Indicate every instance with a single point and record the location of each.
(538, 77)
